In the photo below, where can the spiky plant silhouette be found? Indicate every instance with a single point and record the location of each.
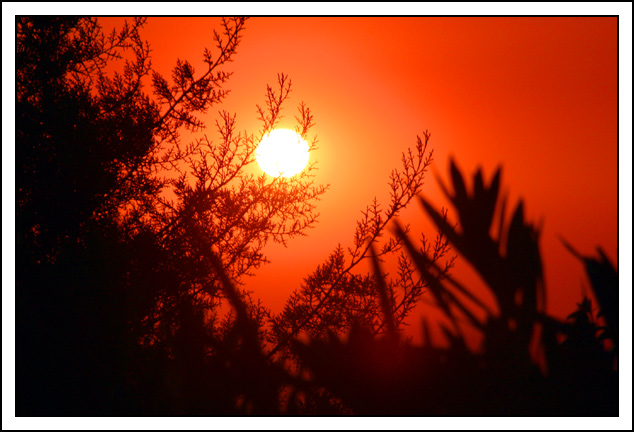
(506, 375)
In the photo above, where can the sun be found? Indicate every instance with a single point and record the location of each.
(282, 152)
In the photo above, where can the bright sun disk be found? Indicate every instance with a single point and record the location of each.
(282, 152)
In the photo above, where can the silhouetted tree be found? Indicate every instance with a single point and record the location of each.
(77, 133)
(336, 296)
(119, 221)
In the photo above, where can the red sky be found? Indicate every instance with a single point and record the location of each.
(536, 95)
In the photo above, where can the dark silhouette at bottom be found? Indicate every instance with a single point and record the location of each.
(529, 364)
(78, 355)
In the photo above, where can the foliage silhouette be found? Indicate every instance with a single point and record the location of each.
(118, 301)
(334, 296)
(502, 377)
(133, 249)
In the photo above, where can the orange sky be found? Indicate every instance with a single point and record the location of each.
(536, 95)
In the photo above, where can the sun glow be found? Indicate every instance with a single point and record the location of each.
(282, 152)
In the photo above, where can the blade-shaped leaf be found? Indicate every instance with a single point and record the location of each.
(516, 230)
(494, 187)
(440, 292)
(478, 186)
(460, 189)
(435, 286)
(382, 290)
(445, 228)
(500, 233)
(463, 290)
(489, 200)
